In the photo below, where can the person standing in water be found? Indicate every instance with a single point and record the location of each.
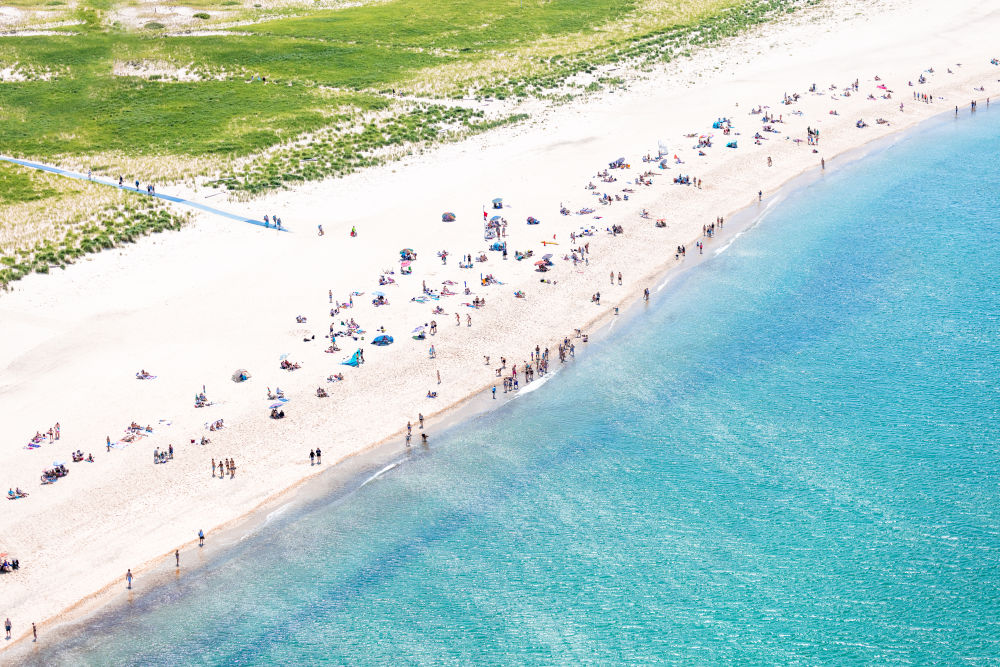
(128, 578)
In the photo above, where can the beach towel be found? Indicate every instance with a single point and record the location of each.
(354, 361)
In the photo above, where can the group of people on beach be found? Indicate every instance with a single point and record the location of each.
(163, 456)
(227, 465)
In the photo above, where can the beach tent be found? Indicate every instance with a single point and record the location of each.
(241, 375)
(495, 218)
(382, 341)
(498, 202)
(447, 217)
(662, 148)
(533, 221)
(354, 361)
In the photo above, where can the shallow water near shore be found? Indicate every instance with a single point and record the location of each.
(789, 454)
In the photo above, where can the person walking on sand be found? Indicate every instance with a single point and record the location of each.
(128, 578)
(458, 320)
(420, 417)
(645, 294)
(201, 538)
(619, 277)
(34, 632)
(439, 377)
(468, 320)
(213, 468)
(409, 427)
(7, 626)
(760, 195)
(494, 392)
(109, 443)
(177, 558)
(319, 456)
(312, 457)
(612, 277)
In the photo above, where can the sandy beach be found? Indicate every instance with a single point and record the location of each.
(194, 306)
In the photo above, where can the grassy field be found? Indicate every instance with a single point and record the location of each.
(106, 88)
(277, 94)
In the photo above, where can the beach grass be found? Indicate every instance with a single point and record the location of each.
(36, 236)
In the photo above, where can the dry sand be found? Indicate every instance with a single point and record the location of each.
(193, 306)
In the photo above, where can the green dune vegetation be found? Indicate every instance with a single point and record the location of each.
(253, 97)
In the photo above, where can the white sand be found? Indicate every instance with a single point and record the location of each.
(193, 306)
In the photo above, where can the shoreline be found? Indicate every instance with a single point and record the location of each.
(455, 412)
(348, 474)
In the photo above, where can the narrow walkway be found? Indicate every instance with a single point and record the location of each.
(170, 198)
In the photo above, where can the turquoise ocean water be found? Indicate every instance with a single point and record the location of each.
(790, 455)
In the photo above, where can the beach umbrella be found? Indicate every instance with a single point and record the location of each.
(379, 293)
(498, 200)
(540, 262)
(495, 218)
(547, 257)
(405, 263)
(239, 374)
(283, 357)
(279, 404)
(56, 464)
(420, 328)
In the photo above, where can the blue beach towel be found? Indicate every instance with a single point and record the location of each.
(354, 361)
